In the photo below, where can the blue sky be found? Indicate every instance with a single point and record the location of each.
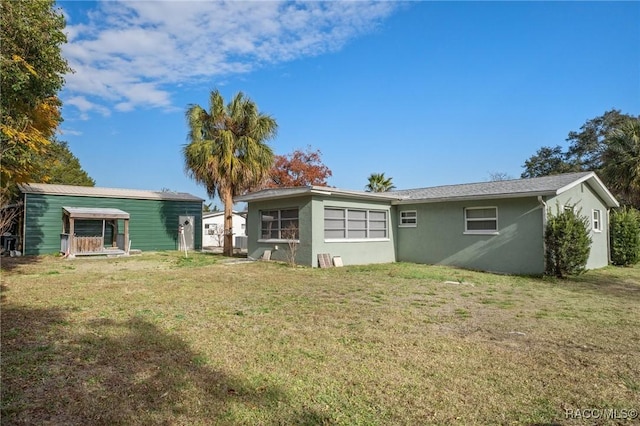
(430, 93)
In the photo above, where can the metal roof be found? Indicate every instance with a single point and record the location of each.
(93, 191)
(541, 186)
(95, 213)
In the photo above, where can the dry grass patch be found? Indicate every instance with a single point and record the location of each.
(160, 339)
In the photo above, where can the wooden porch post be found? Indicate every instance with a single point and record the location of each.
(114, 234)
(126, 236)
(72, 237)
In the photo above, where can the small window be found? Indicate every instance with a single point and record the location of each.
(279, 224)
(597, 221)
(481, 220)
(409, 218)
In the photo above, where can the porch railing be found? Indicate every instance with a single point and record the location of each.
(88, 244)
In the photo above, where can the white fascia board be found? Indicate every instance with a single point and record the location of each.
(597, 186)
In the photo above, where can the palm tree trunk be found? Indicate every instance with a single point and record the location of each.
(228, 223)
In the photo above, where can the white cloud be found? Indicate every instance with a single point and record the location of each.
(85, 106)
(126, 54)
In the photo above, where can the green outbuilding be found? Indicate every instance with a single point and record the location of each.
(80, 220)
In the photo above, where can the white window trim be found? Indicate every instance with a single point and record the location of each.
(598, 221)
(481, 231)
(355, 240)
(276, 240)
(408, 225)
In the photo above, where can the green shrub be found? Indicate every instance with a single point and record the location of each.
(567, 243)
(625, 236)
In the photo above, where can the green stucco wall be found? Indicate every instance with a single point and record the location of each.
(152, 225)
(439, 237)
(356, 252)
(585, 201)
(311, 228)
(256, 247)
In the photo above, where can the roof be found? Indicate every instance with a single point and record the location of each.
(275, 193)
(220, 213)
(541, 186)
(94, 191)
(95, 213)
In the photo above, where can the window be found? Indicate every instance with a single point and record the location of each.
(354, 224)
(481, 220)
(596, 221)
(279, 224)
(409, 218)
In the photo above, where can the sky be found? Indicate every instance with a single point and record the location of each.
(429, 93)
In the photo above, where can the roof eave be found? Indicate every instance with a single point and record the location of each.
(312, 190)
(474, 197)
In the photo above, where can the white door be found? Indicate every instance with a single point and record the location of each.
(188, 236)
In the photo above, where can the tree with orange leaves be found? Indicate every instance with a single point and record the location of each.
(300, 168)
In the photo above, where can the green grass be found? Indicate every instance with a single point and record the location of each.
(164, 339)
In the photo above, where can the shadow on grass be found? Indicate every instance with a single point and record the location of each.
(118, 372)
(8, 264)
(612, 281)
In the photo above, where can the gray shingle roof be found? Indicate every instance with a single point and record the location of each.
(546, 185)
(543, 186)
(93, 191)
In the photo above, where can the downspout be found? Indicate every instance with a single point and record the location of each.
(608, 237)
(544, 227)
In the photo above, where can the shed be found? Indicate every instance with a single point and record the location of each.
(96, 220)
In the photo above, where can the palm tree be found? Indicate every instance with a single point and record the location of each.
(621, 169)
(227, 152)
(378, 183)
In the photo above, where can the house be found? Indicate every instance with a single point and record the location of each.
(213, 228)
(81, 220)
(491, 226)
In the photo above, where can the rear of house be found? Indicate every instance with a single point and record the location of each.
(503, 235)
(318, 220)
(154, 217)
(490, 226)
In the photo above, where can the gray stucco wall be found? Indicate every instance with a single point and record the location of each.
(585, 201)
(439, 237)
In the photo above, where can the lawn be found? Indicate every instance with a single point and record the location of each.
(163, 339)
